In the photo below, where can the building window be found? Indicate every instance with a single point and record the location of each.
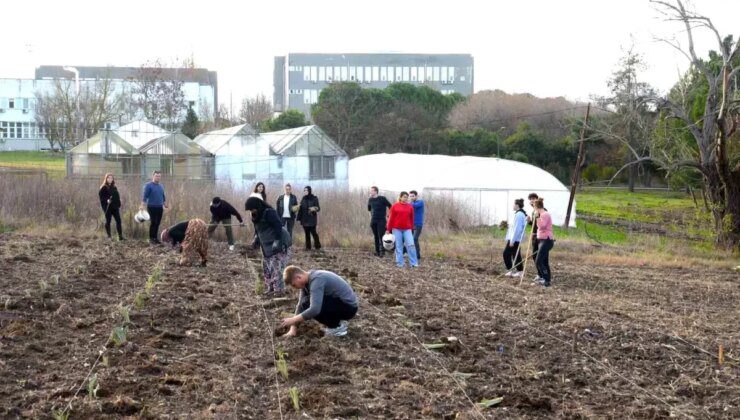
(435, 74)
(376, 73)
(451, 74)
(413, 74)
(3, 130)
(306, 74)
(360, 77)
(322, 73)
(352, 75)
(383, 74)
(344, 74)
(134, 133)
(321, 167)
(11, 103)
(307, 96)
(26, 103)
(391, 76)
(443, 75)
(368, 74)
(406, 74)
(428, 77)
(314, 73)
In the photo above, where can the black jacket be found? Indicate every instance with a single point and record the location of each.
(306, 217)
(377, 207)
(279, 208)
(177, 232)
(269, 230)
(224, 212)
(111, 192)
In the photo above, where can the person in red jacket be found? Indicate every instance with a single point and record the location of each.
(401, 224)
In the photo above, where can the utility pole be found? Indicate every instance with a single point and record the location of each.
(577, 171)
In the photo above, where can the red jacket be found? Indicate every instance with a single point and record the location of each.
(402, 217)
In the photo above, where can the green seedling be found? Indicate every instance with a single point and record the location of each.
(118, 335)
(259, 286)
(125, 312)
(282, 367)
(484, 403)
(106, 361)
(435, 346)
(60, 414)
(280, 351)
(93, 386)
(43, 285)
(55, 279)
(140, 299)
(295, 398)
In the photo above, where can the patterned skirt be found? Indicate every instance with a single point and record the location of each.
(273, 267)
(195, 243)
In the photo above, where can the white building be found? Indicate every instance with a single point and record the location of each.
(486, 187)
(18, 129)
(301, 156)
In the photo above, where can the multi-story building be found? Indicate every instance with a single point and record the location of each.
(298, 78)
(18, 128)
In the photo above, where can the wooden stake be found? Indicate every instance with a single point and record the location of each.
(721, 355)
(577, 171)
(529, 246)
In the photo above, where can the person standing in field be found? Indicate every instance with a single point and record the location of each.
(192, 236)
(261, 192)
(221, 212)
(154, 201)
(377, 206)
(285, 206)
(514, 236)
(110, 201)
(401, 223)
(418, 205)
(308, 215)
(324, 296)
(532, 197)
(275, 245)
(546, 241)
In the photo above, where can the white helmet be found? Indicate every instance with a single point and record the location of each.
(389, 241)
(142, 216)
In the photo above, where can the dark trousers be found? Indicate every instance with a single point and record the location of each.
(535, 248)
(543, 258)
(288, 224)
(378, 228)
(509, 252)
(227, 227)
(311, 231)
(155, 214)
(333, 311)
(115, 214)
(417, 233)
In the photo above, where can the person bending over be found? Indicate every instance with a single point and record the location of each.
(192, 236)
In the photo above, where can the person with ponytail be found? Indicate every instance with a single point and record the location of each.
(545, 241)
(110, 201)
(514, 235)
(401, 224)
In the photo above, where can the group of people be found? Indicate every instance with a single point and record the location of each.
(405, 222)
(539, 244)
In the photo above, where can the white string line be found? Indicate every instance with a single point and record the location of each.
(542, 332)
(434, 356)
(272, 341)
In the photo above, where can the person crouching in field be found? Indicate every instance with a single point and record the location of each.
(275, 245)
(546, 241)
(401, 223)
(514, 235)
(324, 296)
(221, 212)
(110, 201)
(192, 235)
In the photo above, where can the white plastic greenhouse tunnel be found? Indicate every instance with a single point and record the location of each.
(485, 187)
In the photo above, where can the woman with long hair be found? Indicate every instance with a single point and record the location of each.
(110, 201)
(545, 241)
(275, 246)
(308, 215)
(259, 191)
(401, 224)
(514, 235)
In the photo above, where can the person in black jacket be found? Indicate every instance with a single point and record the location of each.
(110, 201)
(377, 205)
(258, 191)
(221, 212)
(285, 208)
(309, 217)
(192, 236)
(275, 250)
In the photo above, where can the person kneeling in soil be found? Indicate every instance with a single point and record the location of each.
(324, 296)
(192, 235)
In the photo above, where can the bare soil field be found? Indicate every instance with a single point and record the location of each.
(603, 342)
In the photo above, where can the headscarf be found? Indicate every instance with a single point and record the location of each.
(255, 203)
(165, 236)
(310, 191)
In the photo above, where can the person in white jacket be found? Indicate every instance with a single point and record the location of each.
(514, 234)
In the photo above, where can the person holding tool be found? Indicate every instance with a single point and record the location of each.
(221, 212)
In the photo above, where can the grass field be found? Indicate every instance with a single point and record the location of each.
(51, 162)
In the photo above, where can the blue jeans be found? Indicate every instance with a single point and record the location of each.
(405, 238)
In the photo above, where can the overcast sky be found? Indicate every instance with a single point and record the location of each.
(544, 47)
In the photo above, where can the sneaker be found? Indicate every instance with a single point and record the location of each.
(537, 279)
(543, 283)
(231, 247)
(339, 331)
(509, 274)
(516, 274)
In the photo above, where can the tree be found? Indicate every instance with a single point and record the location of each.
(632, 121)
(715, 132)
(344, 111)
(158, 93)
(289, 119)
(255, 110)
(191, 127)
(64, 124)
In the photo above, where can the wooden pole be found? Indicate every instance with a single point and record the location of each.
(529, 246)
(577, 171)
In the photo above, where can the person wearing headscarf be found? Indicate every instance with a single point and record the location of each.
(192, 236)
(275, 245)
(308, 215)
